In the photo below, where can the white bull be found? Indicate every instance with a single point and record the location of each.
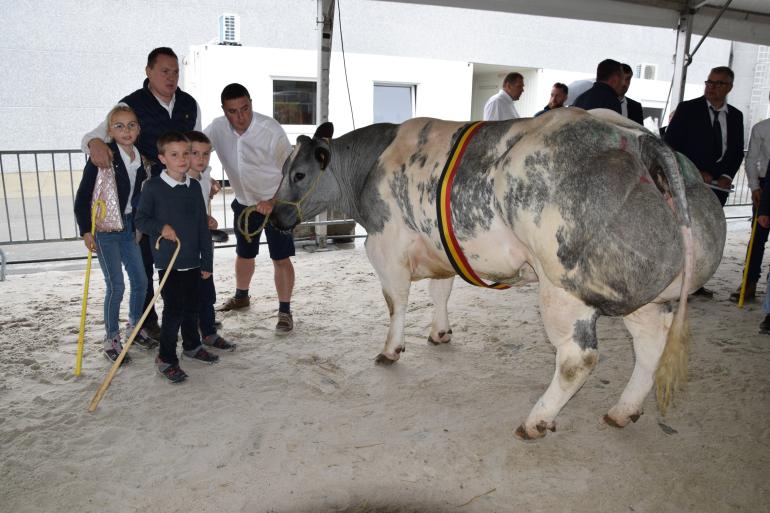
(612, 221)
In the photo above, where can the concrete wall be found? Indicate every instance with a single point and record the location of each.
(66, 62)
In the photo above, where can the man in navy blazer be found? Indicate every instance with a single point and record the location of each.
(709, 132)
(605, 91)
(631, 109)
(692, 131)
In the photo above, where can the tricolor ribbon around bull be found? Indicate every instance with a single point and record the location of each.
(452, 247)
(98, 210)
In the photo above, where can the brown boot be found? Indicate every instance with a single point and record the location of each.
(234, 303)
(748, 296)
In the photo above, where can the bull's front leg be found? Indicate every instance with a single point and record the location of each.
(395, 277)
(440, 332)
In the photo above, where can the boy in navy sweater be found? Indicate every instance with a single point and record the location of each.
(171, 207)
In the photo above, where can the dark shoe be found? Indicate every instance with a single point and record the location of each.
(113, 349)
(218, 342)
(171, 372)
(749, 295)
(201, 355)
(285, 323)
(704, 293)
(151, 329)
(764, 326)
(235, 303)
(142, 339)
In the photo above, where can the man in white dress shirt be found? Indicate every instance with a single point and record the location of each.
(252, 148)
(500, 106)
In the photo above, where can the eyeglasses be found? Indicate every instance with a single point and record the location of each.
(718, 83)
(131, 125)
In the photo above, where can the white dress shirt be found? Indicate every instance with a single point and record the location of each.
(758, 156)
(132, 166)
(624, 107)
(253, 160)
(500, 107)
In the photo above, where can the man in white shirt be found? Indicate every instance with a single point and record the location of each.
(500, 106)
(756, 167)
(252, 148)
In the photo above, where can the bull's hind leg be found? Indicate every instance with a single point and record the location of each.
(649, 327)
(440, 332)
(395, 278)
(571, 327)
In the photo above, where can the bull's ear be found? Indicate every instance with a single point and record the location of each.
(323, 156)
(324, 131)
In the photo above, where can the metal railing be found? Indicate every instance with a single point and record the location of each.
(39, 186)
(38, 191)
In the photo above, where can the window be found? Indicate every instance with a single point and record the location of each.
(393, 103)
(294, 102)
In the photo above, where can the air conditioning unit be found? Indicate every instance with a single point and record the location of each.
(230, 29)
(647, 71)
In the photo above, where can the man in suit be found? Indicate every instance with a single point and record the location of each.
(629, 108)
(606, 90)
(709, 132)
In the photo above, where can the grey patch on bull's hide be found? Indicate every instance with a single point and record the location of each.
(422, 137)
(505, 158)
(473, 188)
(418, 156)
(602, 243)
(399, 187)
(530, 194)
(355, 163)
(428, 191)
(374, 211)
(584, 333)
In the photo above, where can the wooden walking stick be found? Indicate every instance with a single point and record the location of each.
(746, 263)
(106, 383)
(98, 209)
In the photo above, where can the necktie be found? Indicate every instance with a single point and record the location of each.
(717, 128)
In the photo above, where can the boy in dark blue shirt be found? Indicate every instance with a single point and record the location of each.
(172, 208)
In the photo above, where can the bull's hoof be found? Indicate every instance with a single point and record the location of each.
(620, 423)
(385, 358)
(444, 337)
(541, 429)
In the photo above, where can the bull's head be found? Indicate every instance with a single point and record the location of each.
(308, 186)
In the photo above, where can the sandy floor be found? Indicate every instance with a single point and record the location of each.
(308, 422)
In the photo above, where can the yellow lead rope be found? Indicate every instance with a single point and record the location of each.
(99, 208)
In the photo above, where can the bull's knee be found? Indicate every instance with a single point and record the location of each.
(577, 368)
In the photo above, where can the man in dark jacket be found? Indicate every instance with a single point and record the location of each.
(709, 132)
(606, 90)
(160, 107)
(629, 108)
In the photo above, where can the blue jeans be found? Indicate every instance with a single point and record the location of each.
(114, 249)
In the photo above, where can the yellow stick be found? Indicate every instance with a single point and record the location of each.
(746, 263)
(106, 383)
(98, 207)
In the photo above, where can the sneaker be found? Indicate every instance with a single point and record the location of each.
(218, 342)
(764, 326)
(201, 355)
(285, 323)
(142, 338)
(113, 348)
(151, 329)
(173, 373)
(235, 303)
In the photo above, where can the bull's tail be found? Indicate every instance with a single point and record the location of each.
(672, 367)
(671, 373)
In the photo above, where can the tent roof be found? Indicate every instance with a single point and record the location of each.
(746, 21)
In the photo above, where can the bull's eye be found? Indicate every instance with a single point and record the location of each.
(298, 177)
